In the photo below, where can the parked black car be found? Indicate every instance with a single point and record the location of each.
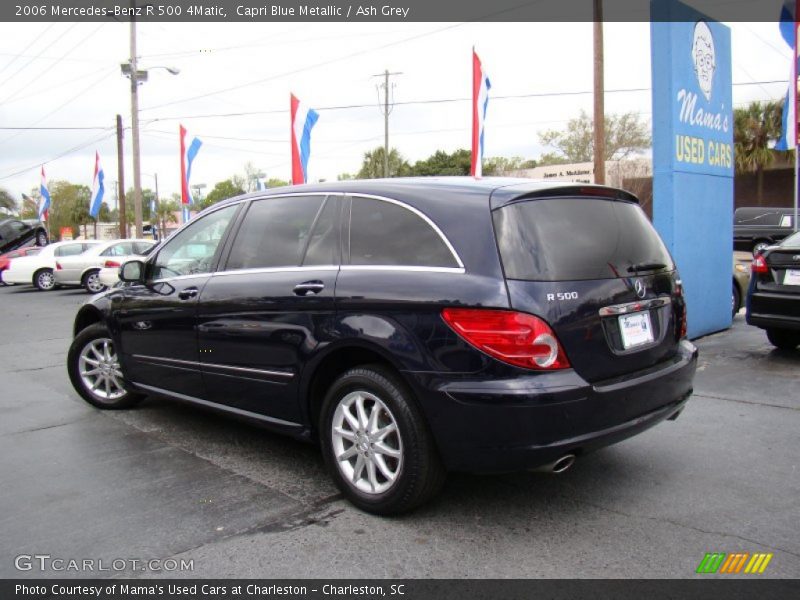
(411, 326)
(773, 298)
(755, 228)
(15, 233)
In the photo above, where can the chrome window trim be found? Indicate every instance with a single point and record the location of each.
(180, 278)
(455, 270)
(275, 270)
(424, 217)
(194, 363)
(413, 268)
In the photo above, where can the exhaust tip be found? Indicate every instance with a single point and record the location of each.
(563, 463)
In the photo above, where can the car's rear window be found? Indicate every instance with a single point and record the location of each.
(565, 239)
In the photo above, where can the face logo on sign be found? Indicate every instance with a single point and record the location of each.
(704, 57)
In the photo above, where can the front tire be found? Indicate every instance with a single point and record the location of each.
(94, 370)
(783, 339)
(376, 443)
(92, 284)
(41, 238)
(44, 280)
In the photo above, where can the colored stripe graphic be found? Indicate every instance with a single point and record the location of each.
(759, 562)
(735, 562)
(728, 564)
(711, 562)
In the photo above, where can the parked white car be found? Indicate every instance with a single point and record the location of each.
(84, 269)
(108, 276)
(38, 270)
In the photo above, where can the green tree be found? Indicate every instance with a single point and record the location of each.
(69, 207)
(497, 165)
(275, 182)
(372, 166)
(166, 213)
(755, 128)
(626, 134)
(7, 201)
(221, 191)
(442, 163)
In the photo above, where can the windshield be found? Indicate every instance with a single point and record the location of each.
(565, 239)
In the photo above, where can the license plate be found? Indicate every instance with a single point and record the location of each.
(635, 329)
(791, 277)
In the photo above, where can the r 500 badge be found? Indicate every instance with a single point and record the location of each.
(562, 296)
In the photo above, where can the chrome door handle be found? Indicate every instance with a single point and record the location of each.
(308, 287)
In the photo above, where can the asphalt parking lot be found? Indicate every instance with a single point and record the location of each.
(167, 481)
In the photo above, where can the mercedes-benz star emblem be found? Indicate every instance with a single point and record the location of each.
(641, 290)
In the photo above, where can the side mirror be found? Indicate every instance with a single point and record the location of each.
(132, 272)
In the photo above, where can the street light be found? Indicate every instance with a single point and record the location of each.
(131, 70)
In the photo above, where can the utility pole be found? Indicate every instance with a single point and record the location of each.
(599, 104)
(123, 229)
(386, 110)
(137, 175)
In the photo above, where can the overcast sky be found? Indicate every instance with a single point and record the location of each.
(67, 75)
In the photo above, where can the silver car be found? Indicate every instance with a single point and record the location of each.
(83, 269)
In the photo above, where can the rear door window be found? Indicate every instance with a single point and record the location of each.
(274, 233)
(574, 238)
(387, 234)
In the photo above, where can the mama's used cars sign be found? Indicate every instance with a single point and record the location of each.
(693, 158)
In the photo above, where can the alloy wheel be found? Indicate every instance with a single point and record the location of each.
(99, 370)
(366, 442)
(46, 280)
(93, 283)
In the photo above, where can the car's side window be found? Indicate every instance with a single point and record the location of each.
(70, 250)
(192, 250)
(323, 244)
(388, 234)
(274, 232)
(18, 226)
(121, 249)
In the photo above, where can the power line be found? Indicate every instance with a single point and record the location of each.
(10, 77)
(80, 146)
(432, 101)
(302, 69)
(81, 41)
(24, 50)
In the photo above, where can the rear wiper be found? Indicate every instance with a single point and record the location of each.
(646, 267)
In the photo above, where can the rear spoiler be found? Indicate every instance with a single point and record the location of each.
(596, 191)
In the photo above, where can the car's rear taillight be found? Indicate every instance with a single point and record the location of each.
(58, 266)
(515, 338)
(682, 326)
(110, 264)
(759, 265)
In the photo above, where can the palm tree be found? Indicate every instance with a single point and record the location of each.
(372, 167)
(165, 213)
(755, 128)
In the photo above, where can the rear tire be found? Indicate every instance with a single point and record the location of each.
(376, 443)
(44, 280)
(91, 282)
(784, 339)
(736, 299)
(94, 370)
(41, 238)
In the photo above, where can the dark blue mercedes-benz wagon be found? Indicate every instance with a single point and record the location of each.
(410, 326)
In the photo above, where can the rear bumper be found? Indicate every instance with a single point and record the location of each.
(525, 422)
(769, 310)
